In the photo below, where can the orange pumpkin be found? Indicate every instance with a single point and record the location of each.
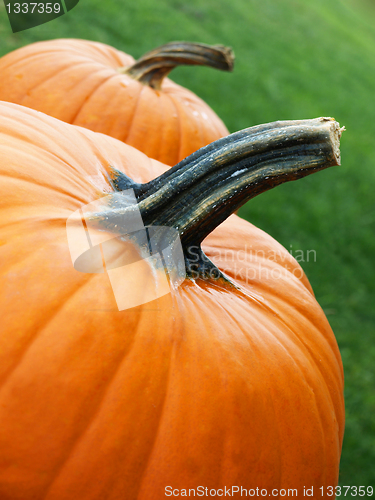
(230, 380)
(98, 87)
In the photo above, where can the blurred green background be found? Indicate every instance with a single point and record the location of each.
(295, 59)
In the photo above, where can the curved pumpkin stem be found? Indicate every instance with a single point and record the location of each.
(200, 192)
(154, 66)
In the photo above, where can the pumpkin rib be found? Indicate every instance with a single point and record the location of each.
(28, 219)
(68, 69)
(209, 328)
(45, 186)
(98, 414)
(271, 401)
(60, 192)
(134, 113)
(302, 349)
(40, 327)
(93, 113)
(11, 64)
(91, 419)
(210, 331)
(97, 49)
(142, 134)
(202, 137)
(159, 421)
(18, 259)
(181, 114)
(295, 333)
(165, 132)
(78, 46)
(293, 361)
(104, 80)
(307, 350)
(189, 309)
(278, 297)
(90, 95)
(26, 133)
(297, 341)
(334, 352)
(200, 106)
(168, 131)
(319, 412)
(125, 116)
(178, 145)
(58, 73)
(270, 309)
(48, 49)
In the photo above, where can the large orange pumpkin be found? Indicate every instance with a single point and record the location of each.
(225, 382)
(98, 87)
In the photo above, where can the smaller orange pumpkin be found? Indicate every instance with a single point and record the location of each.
(100, 88)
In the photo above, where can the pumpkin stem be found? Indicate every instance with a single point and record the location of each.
(154, 66)
(201, 191)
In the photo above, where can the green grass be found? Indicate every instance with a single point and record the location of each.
(294, 59)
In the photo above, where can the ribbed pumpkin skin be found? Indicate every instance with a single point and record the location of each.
(209, 386)
(77, 81)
